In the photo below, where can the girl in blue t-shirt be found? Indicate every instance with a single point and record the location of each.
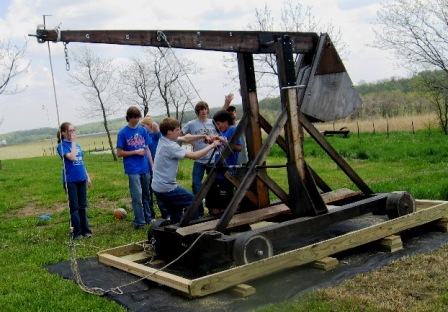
(74, 179)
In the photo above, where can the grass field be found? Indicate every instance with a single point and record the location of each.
(100, 142)
(31, 187)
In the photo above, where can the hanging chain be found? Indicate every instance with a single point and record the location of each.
(67, 63)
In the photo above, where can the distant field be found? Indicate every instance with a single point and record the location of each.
(48, 147)
(402, 123)
(99, 142)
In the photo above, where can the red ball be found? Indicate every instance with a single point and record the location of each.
(120, 214)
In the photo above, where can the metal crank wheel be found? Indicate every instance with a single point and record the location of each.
(399, 204)
(250, 247)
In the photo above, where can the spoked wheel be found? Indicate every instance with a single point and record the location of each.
(250, 247)
(399, 204)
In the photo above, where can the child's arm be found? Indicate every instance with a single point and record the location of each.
(198, 154)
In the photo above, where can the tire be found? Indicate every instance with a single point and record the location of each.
(399, 204)
(250, 247)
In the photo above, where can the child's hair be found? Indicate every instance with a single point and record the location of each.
(133, 112)
(168, 124)
(62, 128)
(147, 121)
(223, 116)
(200, 105)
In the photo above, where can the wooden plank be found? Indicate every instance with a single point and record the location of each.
(391, 243)
(222, 280)
(225, 41)
(243, 290)
(237, 220)
(138, 256)
(337, 158)
(325, 264)
(124, 250)
(339, 194)
(426, 203)
(176, 282)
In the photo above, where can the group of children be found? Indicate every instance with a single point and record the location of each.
(151, 155)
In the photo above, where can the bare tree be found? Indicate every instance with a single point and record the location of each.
(98, 76)
(172, 75)
(12, 65)
(295, 18)
(140, 83)
(435, 85)
(416, 31)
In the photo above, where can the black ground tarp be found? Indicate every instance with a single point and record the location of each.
(145, 295)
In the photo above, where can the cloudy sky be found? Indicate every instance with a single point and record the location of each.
(36, 107)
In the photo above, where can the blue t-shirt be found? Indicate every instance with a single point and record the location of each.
(75, 171)
(129, 139)
(153, 145)
(232, 159)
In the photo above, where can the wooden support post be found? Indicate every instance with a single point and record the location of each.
(325, 264)
(243, 290)
(391, 243)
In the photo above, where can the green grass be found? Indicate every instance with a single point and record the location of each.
(32, 187)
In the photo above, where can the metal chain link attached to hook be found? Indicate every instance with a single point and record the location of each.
(67, 63)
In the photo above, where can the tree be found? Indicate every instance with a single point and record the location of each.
(435, 85)
(140, 83)
(12, 65)
(294, 18)
(416, 31)
(172, 79)
(160, 79)
(98, 76)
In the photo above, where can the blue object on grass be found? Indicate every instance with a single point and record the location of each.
(44, 217)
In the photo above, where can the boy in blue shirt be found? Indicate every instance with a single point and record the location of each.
(133, 145)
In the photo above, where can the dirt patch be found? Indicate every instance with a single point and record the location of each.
(33, 210)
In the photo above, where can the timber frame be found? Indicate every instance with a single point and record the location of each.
(313, 87)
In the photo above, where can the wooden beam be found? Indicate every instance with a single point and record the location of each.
(331, 197)
(224, 41)
(315, 134)
(250, 175)
(174, 281)
(274, 187)
(237, 220)
(222, 280)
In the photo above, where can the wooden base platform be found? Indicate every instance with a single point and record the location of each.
(130, 257)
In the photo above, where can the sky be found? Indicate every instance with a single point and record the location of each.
(40, 106)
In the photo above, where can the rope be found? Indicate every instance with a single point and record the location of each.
(161, 36)
(118, 290)
(74, 263)
(72, 246)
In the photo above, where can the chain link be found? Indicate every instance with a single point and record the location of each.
(67, 63)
